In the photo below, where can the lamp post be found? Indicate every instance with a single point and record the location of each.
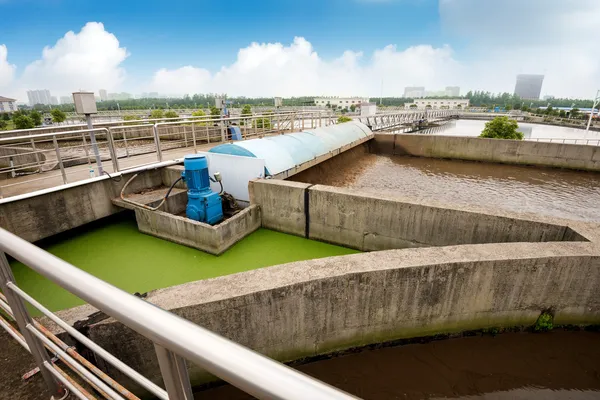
(594, 104)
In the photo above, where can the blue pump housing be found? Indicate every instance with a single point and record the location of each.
(204, 205)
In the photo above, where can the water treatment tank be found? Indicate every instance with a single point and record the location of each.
(284, 152)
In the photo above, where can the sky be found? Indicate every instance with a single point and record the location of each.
(295, 48)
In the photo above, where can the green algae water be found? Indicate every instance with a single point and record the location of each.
(115, 251)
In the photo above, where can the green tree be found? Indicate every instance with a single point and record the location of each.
(501, 128)
(5, 117)
(343, 119)
(562, 113)
(413, 106)
(353, 107)
(58, 116)
(262, 123)
(508, 107)
(157, 114)
(214, 111)
(23, 122)
(36, 117)
(3, 124)
(246, 110)
(575, 113)
(549, 110)
(171, 114)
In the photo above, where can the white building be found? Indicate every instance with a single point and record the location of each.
(103, 95)
(340, 102)
(39, 97)
(7, 105)
(438, 104)
(414, 92)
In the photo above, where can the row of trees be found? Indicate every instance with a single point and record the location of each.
(27, 119)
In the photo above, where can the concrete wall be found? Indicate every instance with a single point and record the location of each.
(368, 222)
(571, 156)
(314, 307)
(282, 204)
(212, 239)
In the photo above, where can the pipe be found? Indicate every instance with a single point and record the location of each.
(147, 207)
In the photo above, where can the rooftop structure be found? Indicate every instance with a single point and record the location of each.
(529, 87)
(341, 102)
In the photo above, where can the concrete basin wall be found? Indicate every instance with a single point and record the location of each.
(367, 222)
(314, 307)
(570, 156)
(212, 239)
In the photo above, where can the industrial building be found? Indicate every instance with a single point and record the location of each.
(438, 103)
(341, 102)
(529, 87)
(7, 105)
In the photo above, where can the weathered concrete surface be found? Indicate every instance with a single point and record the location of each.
(314, 307)
(571, 156)
(175, 204)
(282, 204)
(212, 239)
(367, 222)
(42, 216)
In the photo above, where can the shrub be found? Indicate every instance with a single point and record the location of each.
(544, 323)
(343, 119)
(501, 128)
(157, 114)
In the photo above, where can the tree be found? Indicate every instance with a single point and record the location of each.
(353, 107)
(58, 116)
(214, 111)
(549, 110)
(262, 123)
(413, 106)
(501, 128)
(23, 122)
(157, 114)
(343, 119)
(36, 117)
(246, 110)
(3, 124)
(574, 113)
(5, 117)
(562, 113)
(508, 107)
(171, 114)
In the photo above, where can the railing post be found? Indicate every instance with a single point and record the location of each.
(37, 156)
(174, 374)
(112, 150)
(59, 158)
(157, 142)
(23, 319)
(194, 137)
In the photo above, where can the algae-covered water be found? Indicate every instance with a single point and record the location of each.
(115, 251)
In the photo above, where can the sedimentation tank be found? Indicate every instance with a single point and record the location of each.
(283, 152)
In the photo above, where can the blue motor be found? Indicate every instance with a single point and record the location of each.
(204, 205)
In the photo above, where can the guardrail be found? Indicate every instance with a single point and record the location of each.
(175, 339)
(38, 161)
(584, 141)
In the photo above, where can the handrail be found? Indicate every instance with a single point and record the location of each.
(232, 362)
(43, 135)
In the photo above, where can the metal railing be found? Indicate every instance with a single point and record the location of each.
(40, 160)
(175, 340)
(584, 141)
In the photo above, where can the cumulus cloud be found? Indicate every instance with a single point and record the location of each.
(87, 60)
(7, 70)
(275, 69)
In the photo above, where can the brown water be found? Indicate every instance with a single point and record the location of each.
(548, 191)
(555, 365)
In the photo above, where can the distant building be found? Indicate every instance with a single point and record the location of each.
(452, 91)
(119, 96)
(529, 87)
(66, 100)
(438, 104)
(340, 102)
(8, 105)
(103, 95)
(39, 97)
(414, 92)
(54, 100)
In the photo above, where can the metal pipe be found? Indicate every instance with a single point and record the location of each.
(68, 383)
(12, 331)
(250, 371)
(68, 359)
(126, 369)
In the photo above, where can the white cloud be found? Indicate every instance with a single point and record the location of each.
(7, 71)
(87, 60)
(274, 69)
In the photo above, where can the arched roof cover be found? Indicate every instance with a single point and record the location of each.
(284, 152)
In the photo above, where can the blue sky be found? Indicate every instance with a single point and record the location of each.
(193, 46)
